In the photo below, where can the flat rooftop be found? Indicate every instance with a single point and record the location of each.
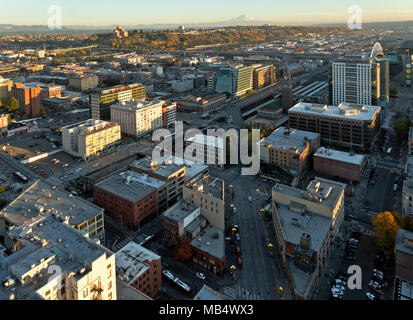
(41, 198)
(47, 238)
(180, 210)
(322, 191)
(344, 110)
(132, 261)
(301, 279)
(317, 226)
(208, 184)
(212, 241)
(127, 292)
(404, 241)
(284, 139)
(165, 170)
(340, 156)
(207, 293)
(135, 105)
(127, 185)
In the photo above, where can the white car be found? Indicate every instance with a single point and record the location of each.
(235, 209)
(200, 275)
(249, 199)
(370, 296)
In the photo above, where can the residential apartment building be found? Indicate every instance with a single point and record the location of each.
(41, 198)
(5, 89)
(52, 261)
(341, 164)
(351, 125)
(137, 118)
(306, 224)
(100, 100)
(289, 148)
(184, 222)
(356, 80)
(91, 139)
(168, 114)
(403, 283)
(4, 122)
(29, 98)
(207, 192)
(127, 200)
(263, 76)
(83, 82)
(201, 104)
(140, 268)
(234, 80)
(181, 220)
(173, 176)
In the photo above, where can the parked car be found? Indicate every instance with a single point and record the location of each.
(350, 257)
(249, 199)
(237, 236)
(370, 296)
(200, 275)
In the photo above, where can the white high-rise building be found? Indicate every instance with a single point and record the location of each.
(138, 117)
(354, 80)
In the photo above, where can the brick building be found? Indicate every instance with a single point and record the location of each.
(29, 98)
(201, 103)
(4, 122)
(129, 202)
(341, 164)
(263, 76)
(139, 268)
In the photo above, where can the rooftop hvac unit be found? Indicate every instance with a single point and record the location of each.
(305, 241)
(295, 222)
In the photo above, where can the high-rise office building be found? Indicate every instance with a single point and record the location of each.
(356, 80)
(234, 80)
(263, 76)
(101, 99)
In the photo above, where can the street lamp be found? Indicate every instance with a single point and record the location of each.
(232, 205)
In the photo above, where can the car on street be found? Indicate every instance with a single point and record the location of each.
(249, 199)
(235, 209)
(165, 265)
(350, 257)
(370, 296)
(200, 275)
(237, 236)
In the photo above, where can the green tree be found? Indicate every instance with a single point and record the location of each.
(402, 127)
(13, 105)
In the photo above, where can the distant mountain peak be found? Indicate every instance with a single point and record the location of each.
(243, 18)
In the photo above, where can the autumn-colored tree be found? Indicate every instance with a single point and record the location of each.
(184, 252)
(386, 226)
(13, 105)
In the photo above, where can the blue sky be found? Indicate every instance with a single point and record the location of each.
(132, 12)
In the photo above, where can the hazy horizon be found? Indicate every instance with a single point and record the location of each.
(129, 13)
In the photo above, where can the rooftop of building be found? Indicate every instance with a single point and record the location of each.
(343, 110)
(46, 239)
(212, 241)
(285, 138)
(135, 105)
(116, 88)
(403, 290)
(353, 59)
(127, 292)
(207, 184)
(322, 191)
(207, 293)
(165, 169)
(340, 156)
(180, 210)
(300, 278)
(41, 198)
(404, 241)
(132, 261)
(91, 125)
(130, 185)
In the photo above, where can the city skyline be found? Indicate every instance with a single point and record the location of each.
(183, 12)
